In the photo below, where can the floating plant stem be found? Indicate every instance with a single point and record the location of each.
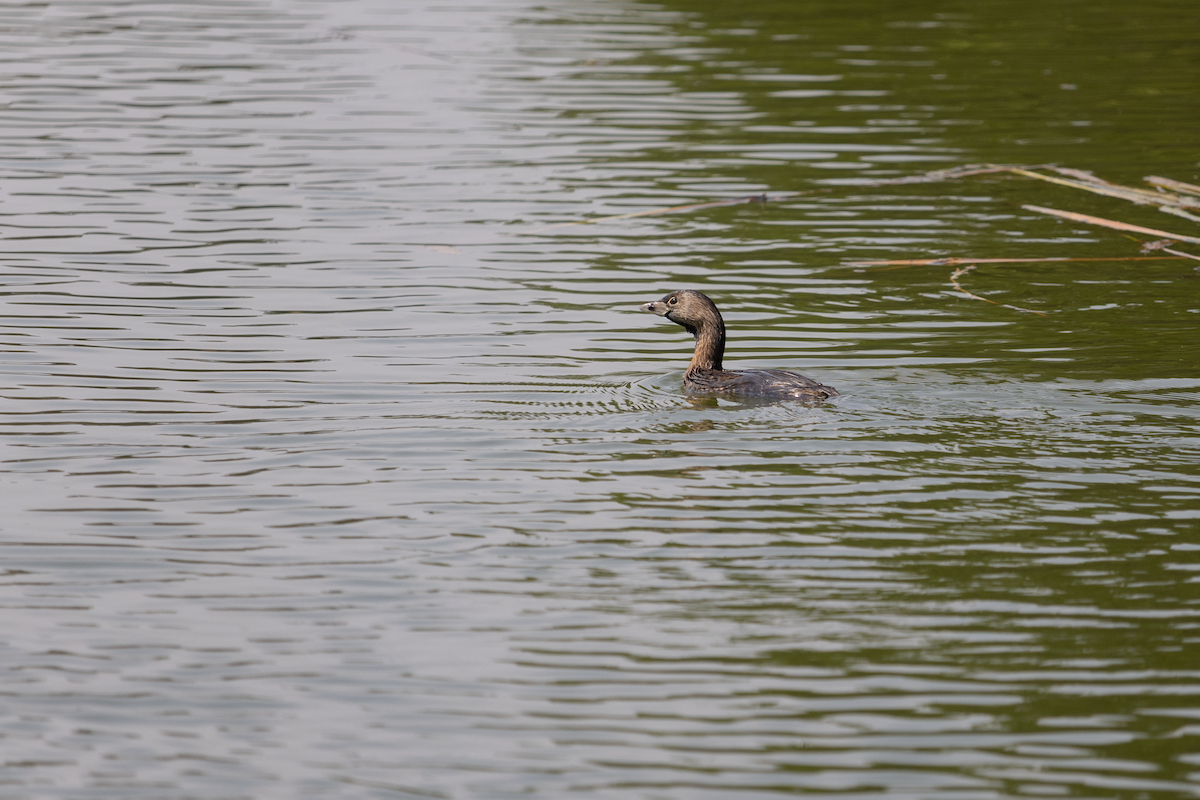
(1108, 223)
(954, 276)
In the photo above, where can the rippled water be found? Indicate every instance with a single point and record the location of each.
(331, 468)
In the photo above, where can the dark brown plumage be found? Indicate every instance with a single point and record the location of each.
(705, 375)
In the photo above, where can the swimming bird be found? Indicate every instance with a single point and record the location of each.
(705, 375)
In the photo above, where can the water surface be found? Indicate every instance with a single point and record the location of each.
(331, 468)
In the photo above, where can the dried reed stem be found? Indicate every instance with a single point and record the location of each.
(1173, 185)
(1098, 186)
(954, 276)
(953, 262)
(1108, 223)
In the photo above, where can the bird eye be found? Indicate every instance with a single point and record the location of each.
(673, 301)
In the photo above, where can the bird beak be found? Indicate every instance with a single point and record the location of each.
(654, 307)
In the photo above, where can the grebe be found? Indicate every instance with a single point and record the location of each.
(705, 375)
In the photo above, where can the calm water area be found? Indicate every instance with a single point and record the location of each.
(335, 463)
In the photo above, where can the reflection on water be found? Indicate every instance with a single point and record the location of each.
(323, 475)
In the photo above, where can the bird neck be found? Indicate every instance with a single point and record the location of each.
(710, 346)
